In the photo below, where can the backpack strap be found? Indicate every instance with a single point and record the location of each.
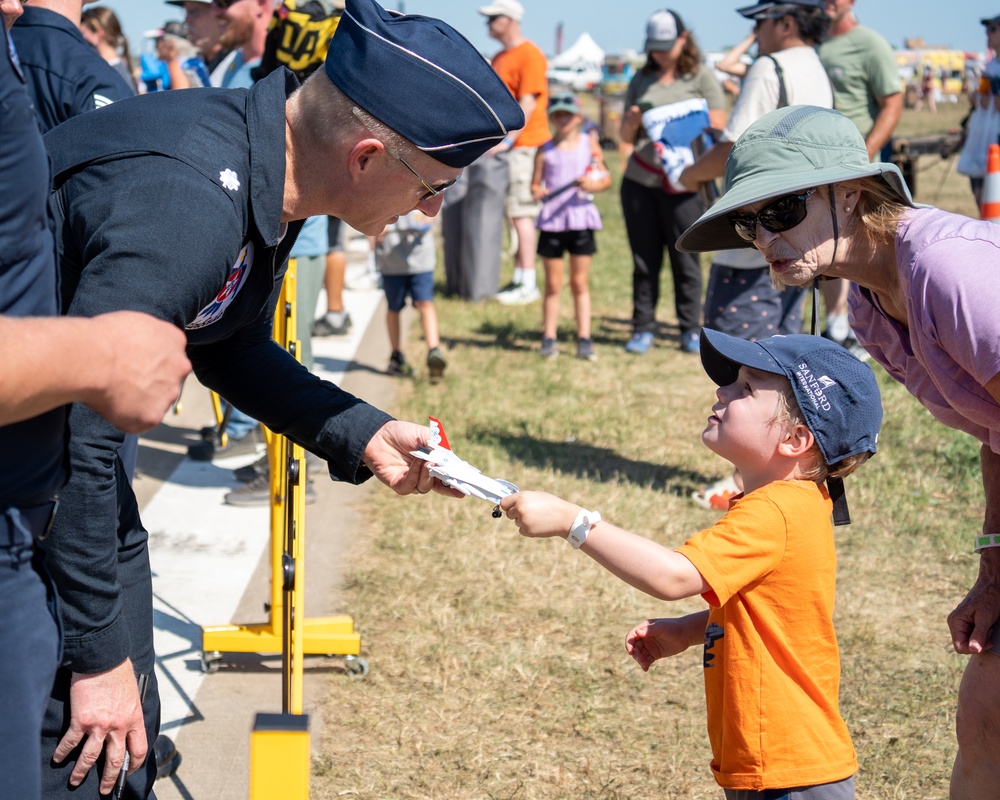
(782, 92)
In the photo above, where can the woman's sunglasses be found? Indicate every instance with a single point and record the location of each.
(781, 215)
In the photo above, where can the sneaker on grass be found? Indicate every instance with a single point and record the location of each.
(585, 349)
(518, 294)
(398, 366)
(436, 363)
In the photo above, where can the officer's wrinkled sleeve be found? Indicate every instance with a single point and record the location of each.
(162, 241)
(263, 380)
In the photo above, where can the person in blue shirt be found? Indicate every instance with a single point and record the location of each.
(231, 177)
(246, 23)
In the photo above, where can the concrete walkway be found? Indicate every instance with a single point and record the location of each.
(211, 565)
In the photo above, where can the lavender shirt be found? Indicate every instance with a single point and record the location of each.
(571, 210)
(949, 275)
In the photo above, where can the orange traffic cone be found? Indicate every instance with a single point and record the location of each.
(991, 186)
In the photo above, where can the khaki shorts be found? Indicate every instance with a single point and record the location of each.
(520, 203)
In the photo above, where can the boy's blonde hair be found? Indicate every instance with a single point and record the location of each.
(788, 416)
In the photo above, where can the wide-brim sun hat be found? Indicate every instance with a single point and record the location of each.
(785, 152)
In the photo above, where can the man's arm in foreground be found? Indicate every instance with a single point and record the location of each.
(126, 366)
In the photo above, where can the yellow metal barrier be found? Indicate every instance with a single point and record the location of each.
(280, 745)
(279, 757)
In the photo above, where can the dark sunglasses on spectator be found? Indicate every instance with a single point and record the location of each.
(777, 217)
(494, 18)
(992, 27)
(224, 4)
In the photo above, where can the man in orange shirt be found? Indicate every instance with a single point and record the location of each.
(521, 65)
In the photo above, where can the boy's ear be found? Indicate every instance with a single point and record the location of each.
(798, 441)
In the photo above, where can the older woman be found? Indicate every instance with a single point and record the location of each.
(925, 306)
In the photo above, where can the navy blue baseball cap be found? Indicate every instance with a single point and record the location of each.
(838, 393)
(424, 80)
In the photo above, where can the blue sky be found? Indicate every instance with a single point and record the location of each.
(621, 25)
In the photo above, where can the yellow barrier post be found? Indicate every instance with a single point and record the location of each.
(279, 757)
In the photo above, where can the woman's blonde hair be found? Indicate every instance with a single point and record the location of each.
(879, 209)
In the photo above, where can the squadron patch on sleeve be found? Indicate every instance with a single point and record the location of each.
(238, 275)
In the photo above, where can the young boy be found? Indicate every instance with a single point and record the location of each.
(405, 257)
(792, 412)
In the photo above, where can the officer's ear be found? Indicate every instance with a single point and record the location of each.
(364, 157)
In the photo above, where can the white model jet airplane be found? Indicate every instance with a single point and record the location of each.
(458, 474)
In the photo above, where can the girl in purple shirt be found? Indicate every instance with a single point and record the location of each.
(567, 170)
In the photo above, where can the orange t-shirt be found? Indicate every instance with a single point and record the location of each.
(522, 68)
(772, 668)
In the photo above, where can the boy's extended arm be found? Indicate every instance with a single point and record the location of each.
(648, 566)
(640, 562)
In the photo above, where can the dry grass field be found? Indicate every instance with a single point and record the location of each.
(498, 670)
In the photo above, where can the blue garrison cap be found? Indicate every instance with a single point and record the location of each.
(424, 80)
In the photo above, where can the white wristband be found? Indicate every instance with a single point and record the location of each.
(985, 540)
(580, 529)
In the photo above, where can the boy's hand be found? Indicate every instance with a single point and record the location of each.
(539, 514)
(654, 639)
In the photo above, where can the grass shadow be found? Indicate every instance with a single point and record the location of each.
(593, 464)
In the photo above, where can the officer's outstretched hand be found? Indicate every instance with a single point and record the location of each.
(105, 715)
(388, 457)
(139, 367)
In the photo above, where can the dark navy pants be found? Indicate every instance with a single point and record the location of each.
(654, 221)
(29, 652)
(137, 595)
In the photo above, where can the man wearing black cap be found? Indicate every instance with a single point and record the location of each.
(232, 176)
(740, 299)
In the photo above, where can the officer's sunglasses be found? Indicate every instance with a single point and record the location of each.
(431, 191)
(777, 217)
